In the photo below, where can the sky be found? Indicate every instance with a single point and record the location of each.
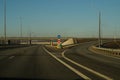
(68, 18)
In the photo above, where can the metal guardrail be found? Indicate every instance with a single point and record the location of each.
(107, 51)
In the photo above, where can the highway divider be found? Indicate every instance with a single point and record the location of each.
(106, 51)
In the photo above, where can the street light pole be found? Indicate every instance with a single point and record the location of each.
(99, 29)
(21, 27)
(30, 38)
(5, 21)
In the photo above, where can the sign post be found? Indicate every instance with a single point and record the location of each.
(51, 42)
(59, 43)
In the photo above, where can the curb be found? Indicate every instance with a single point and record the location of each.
(106, 51)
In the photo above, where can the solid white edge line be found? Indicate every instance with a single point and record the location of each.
(68, 66)
(86, 68)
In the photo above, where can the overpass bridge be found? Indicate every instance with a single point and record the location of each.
(29, 40)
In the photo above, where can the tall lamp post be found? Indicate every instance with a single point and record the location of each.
(5, 21)
(99, 29)
(30, 38)
(20, 29)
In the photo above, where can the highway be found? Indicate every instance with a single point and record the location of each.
(46, 62)
(103, 64)
(32, 63)
(95, 66)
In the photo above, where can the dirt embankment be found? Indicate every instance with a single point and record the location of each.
(82, 40)
(112, 44)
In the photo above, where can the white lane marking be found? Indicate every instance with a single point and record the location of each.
(68, 66)
(11, 57)
(86, 68)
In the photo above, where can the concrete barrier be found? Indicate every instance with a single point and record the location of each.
(70, 41)
(106, 51)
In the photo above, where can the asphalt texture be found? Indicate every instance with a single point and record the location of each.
(32, 63)
(35, 63)
(103, 64)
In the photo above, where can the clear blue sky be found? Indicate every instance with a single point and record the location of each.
(65, 17)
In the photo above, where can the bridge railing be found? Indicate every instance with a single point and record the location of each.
(106, 51)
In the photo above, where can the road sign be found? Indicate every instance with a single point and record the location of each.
(59, 36)
(59, 44)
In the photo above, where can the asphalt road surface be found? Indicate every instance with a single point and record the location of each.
(95, 66)
(106, 65)
(32, 63)
(46, 62)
